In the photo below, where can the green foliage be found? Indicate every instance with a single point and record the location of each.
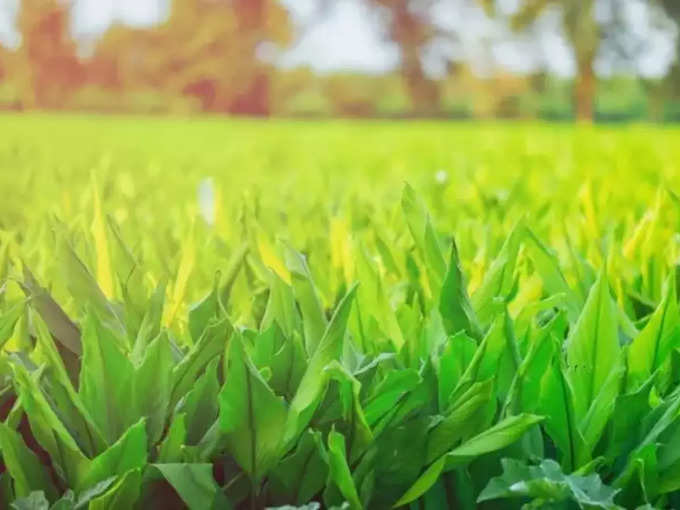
(500, 350)
(546, 485)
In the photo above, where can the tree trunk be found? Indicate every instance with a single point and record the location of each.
(424, 92)
(584, 91)
(409, 31)
(583, 32)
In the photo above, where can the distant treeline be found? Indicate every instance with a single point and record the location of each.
(207, 56)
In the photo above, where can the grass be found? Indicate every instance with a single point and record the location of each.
(249, 314)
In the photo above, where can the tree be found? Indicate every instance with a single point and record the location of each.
(586, 34)
(207, 49)
(411, 26)
(3, 62)
(671, 8)
(46, 65)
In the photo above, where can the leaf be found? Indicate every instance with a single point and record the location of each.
(525, 390)
(547, 265)
(151, 386)
(150, 326)
(496, 438)
(34, 501)
(659, 422)
(104, 272)
(170, 450)
(595, 362)
(193, 482)
(130, 276)
(434, 258)
(269, 256)
(252, 417)
(660, 336)
(454, 302)
(84, 288)
(546, 484)
(209, 346)
(128, 453)
(123, 494)
(106, 380)
(399, 458)
(26, 471)
(556, 403)
(66, 457)
(457, 423)
(627, 421)
(288, 366)
(485, 362)
(313, 320)
(374, 314)
(303, 473)
(59, 324)
(58, 385)
(422, 232)
(340, 474)
(236, 261)
(499, 279)
(456, 357)
(355, 426)
(66, 502)
(8, 320)
(640, 479)
(314, 380)
(186, 266)
(201, 406)
(92, 492)
(202, 312)
(281, 307)
(388, 392)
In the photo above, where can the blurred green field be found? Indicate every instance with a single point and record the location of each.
(180, 294)
(477, 178)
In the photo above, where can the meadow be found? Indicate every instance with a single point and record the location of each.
(207, 313)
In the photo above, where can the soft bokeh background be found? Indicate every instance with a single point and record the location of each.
(611, 60)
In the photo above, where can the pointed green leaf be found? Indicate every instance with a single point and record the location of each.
(595, 361)
(49, 431)
(496, 438)
(655, 342)
(170, 450)
(499, 279)
(301, 475)
(210, 345)
(313, 320)
(454, 302)
(129, 452)
(340, 474)
(106, 380)
(22, 464)
(252, 417)
(193, 482)
(315, 379)
(123, 494)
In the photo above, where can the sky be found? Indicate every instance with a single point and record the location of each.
(349, 36)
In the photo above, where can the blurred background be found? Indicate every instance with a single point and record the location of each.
(603, 60)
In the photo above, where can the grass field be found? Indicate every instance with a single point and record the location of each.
(181, 324)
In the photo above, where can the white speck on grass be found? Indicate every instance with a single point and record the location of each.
(206, 200)
(442, 176)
